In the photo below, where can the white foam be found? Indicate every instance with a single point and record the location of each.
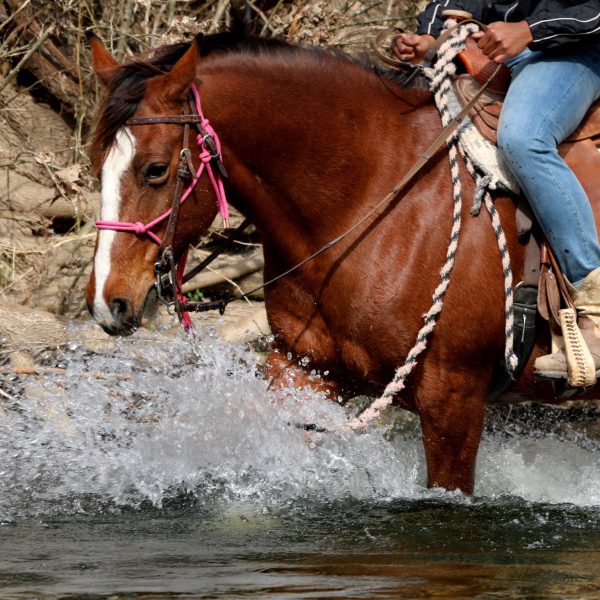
(159, 417)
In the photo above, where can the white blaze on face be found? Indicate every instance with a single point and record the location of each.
(117, 161)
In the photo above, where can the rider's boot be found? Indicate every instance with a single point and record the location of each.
(587, 302)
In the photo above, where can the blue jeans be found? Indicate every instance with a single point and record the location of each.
(547, 99)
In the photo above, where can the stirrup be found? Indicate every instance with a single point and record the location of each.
(577, 371)
(581, 371)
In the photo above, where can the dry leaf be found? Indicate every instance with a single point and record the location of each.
(70, 174)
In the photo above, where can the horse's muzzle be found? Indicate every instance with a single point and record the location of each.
(125, 320)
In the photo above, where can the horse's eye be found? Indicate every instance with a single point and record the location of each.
(155, 173)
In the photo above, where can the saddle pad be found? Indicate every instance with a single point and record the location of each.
(485, 156)
(486, 112)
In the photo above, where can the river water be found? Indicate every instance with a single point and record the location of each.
(165, 468)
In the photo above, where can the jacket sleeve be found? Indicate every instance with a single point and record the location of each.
(431, 20)
(555, 23)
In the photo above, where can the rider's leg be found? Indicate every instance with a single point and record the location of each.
(548, 97)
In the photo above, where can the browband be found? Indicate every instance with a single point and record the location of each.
(176, 119)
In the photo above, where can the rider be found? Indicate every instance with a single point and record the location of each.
(552, 49)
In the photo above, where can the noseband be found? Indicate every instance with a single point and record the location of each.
(169, 274)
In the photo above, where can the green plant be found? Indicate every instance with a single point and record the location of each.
(195, 295)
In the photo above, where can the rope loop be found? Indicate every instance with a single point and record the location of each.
(483, 185)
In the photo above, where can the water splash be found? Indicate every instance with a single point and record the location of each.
(156, 418)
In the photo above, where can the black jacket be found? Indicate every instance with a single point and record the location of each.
(552, 22)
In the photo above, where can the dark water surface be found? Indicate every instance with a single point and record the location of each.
(400, 548)
(164, 469)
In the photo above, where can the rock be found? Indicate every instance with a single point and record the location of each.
(249, 328)
(22, 327)
(22, 195)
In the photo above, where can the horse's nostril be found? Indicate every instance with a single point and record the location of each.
(124, 321)
(119, 308)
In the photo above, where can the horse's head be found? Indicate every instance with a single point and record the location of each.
(140, 162)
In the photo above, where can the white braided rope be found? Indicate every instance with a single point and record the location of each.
(453, 47)
(510, 358)
(440, 83)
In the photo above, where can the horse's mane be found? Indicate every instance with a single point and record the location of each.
(128, 86)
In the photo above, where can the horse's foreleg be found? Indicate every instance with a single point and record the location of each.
(282, 371)
(452, 416)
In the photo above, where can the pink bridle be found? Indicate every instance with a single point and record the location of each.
(210, 152)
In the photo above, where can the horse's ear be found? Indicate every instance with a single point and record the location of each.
(176, 83)
(104, 64)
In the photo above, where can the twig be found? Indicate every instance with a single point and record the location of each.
(12, 283)
(81, 108)
(268, 21)
(125, 22)
(24, 5)
(25, 90)
(59, 371)
(259, 12)
(27, 56)
(229, 272)
(73, 239)
(365, 9)
(67, 293)
(66, 240)
(369, 22)
(56, 183)
(231, 282)
(221, 8)
(238, 242)
(7, 396)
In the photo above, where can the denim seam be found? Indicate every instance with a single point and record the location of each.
(552, 173)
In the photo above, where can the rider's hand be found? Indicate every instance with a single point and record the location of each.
(411, 47)
(501, 41)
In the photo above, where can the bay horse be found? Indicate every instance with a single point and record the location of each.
(311, 140)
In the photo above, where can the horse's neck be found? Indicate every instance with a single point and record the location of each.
(307, 146)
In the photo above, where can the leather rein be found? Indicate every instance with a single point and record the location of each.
(170, 275)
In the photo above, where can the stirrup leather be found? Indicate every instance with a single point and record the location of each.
(581, 371)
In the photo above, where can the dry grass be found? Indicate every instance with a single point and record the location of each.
(56, 30)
